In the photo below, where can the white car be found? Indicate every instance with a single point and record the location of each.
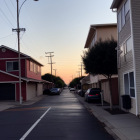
(72, 89)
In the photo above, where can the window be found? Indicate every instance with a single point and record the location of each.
(12, 66)
(35, 68)
(119, 22)
(129, 85)
(38, 68)
(129, 44)
(123, 15)
(31, 66)
(127, 10)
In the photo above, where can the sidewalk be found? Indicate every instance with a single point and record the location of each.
(125, 126)
(11, 104)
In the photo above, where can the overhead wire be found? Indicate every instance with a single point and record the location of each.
(6, 17)
(9, 10)
(7, 36)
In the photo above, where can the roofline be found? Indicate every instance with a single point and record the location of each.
(94, 26)
(22, 78)
(104, 25)
(115, 4)
(28, 57)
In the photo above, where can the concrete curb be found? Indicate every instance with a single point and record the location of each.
(108, 127)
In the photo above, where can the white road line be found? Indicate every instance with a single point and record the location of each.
(32, 127)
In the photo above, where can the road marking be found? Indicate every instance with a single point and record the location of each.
(24, 109)
(32, 127)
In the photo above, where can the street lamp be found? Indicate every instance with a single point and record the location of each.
(18, 36)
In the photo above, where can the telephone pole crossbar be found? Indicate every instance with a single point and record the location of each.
(50, 57)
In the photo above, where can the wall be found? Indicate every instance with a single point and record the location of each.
(23, 91)
(31, 74)
(106, 90)
(136, 36)
(106, 32)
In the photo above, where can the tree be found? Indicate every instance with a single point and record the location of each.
(59, 84)
(75, 82)
(102, 59)
(47, 77)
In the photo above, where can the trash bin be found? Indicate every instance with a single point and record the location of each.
(126, 100)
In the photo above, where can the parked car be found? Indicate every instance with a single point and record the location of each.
(93, 94)
(46, 91)
(55, 91)
(72, 89)
(82, 93)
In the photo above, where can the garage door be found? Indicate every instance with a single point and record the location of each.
(39, 89)
(31, 90)
(7, 91)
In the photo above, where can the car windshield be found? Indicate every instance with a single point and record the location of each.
(54, 89)
(94, 92)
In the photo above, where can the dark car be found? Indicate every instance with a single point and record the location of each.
(46, 92)
(55, 91)
(93, 94)
(82, 93)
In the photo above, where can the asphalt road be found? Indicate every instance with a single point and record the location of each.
(64, 118)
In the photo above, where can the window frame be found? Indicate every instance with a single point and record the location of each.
(32, 66)
(129, 84)
(12, 66)
(122, 15)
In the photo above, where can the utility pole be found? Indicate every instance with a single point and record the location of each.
(50, 56)
(55, 71)
(81, 68)
(79, 73)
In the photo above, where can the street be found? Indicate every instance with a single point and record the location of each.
(57, 117)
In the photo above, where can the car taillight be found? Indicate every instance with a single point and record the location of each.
(97, 94)
(91, 95)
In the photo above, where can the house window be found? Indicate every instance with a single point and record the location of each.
(31, 66)
(12, 66)
(123, 15)
(129, 85)
(127, 46)
(127, 10)
(38, 68)
(34, 67)
(119, 22)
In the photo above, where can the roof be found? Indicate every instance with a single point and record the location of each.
(26, 79)
(115, 4)
(92, 31)
(27, 56)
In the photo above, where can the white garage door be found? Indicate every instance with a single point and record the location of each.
(31, 90)
(39, 89)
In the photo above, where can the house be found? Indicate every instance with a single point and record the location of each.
(103, 31)
(31, 83)
(128, 49)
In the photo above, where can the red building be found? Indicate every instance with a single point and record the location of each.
(31, 82)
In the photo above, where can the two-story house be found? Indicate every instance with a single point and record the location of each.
(31, 82)
(128, 22)
(103, 31)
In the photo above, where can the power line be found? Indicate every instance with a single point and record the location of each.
(6, 22)
(27, 47)
(6, 17)
(9, 10)
(7, 36)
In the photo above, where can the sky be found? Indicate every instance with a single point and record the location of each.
(59, 26)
